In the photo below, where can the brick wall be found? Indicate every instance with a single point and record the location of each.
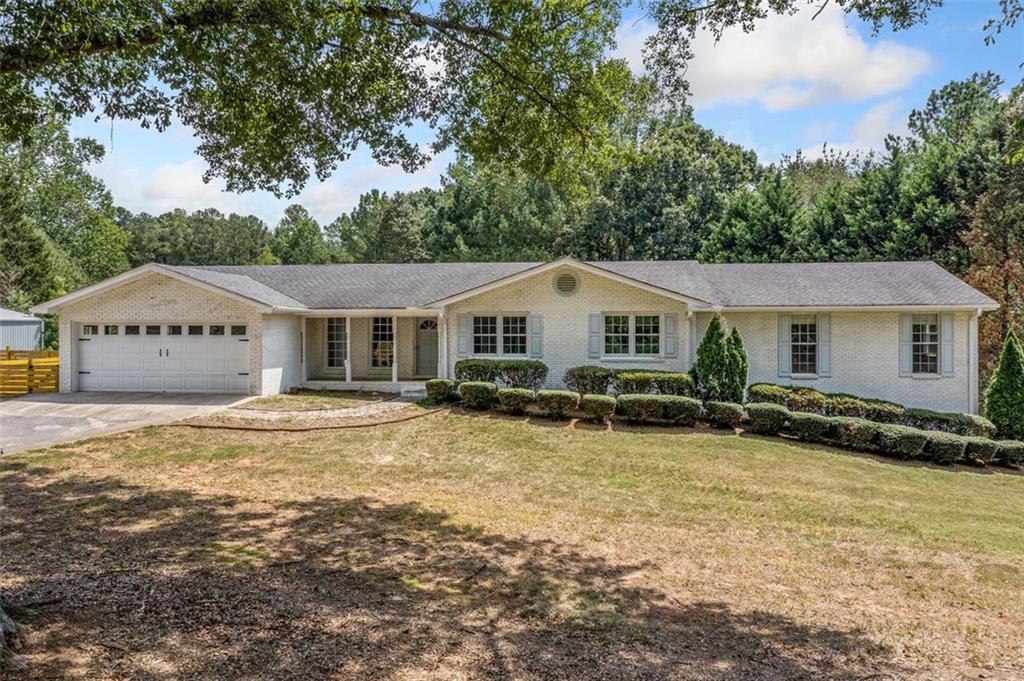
(865, 358)
(157, 298)
(566, 318)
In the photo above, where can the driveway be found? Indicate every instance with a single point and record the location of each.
(43, 419)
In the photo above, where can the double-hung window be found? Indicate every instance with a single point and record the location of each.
(382, 342)
(503, 335)
(628, 335)
(803, 336)
(925, 343)
(337, 342)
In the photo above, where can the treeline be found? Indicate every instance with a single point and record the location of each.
(949, 192)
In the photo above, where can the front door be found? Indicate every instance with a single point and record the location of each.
(426, 347)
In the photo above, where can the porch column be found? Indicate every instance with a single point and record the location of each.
(302, 352)
(442, 346)
(348, 349)
(394, 349)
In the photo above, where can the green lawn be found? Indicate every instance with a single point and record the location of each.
(464, 547)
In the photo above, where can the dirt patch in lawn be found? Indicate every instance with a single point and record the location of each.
(317, 400)
(468, 548)
(361, 417)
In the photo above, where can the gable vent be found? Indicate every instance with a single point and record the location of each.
(567, 283)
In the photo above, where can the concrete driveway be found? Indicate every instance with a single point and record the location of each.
(43, 419)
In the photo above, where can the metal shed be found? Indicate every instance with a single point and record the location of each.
(20, 331)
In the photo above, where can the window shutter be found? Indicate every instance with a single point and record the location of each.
(785, 342)
(671, 336)
(946, 334)
(594, 341)
(825, 345)
(464, 322)
(906, 345)
(536, 336)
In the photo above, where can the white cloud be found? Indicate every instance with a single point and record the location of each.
(868, 133)
(789, 62)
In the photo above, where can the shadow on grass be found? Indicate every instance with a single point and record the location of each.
(115, 580)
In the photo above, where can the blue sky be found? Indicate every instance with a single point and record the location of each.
(791, 84)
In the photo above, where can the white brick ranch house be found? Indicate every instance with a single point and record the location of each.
(905, 332)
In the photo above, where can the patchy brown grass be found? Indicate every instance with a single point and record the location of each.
(457, 546)
(317, 400)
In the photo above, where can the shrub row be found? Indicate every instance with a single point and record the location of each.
(511, 373)
(901, 441)
(596, 380)
(803, 399)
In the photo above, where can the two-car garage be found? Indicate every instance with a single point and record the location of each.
(202, 356)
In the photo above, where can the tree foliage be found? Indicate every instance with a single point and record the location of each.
(739, 366)
(1004, 400)
(711, 370)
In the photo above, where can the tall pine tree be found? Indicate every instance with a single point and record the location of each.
(1004, 401)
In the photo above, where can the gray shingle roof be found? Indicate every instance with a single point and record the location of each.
(740, 285)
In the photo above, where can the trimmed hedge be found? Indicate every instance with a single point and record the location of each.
(441, 389)
(981, 450)
(724, 414)
(629, 382)
(639, 408)
(680, 410)
(809, 427)
(1011, 452)
(515, 400)
(589, 380)
(557, 403)
(767, 418)
(511, 373)
(804, 399)
(903, 442)
(477, 394)
(601, 407)
(854, 433)
(945, 448)
(477, 370)
(675, 383)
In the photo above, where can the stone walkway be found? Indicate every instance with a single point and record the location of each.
(363, 411)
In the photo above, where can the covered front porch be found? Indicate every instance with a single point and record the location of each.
(386, 351)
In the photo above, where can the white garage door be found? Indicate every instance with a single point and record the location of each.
(206, 357)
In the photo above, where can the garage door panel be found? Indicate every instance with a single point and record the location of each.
(159, 361)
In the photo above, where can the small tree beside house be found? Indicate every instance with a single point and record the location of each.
(1004, 400)
(721, 368)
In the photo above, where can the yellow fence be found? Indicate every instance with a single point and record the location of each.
(29, 371)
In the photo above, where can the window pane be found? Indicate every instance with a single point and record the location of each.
(616, 334)
(110, 330)
(382, 342)
(648, 334)
(804, 349)
(195, 329)
(513, 336)
(216, 330)
(337, 342)
(485, 335)
(152, 330)
(238, 330)
(925, 339)
(174, 330)
(131, 330)
(90, 329)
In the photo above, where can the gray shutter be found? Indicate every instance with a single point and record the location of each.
(594, 340)
(824, 345)
(671, 336)
(785, 343)
(946, 338)
(464, 322)
(906, 345)
(536, 336)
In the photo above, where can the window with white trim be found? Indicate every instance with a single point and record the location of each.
(337, 343)
(485, 335)
(382, 342)
(513, 335)
(925, 343)
(803, 338)
(628, 335)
